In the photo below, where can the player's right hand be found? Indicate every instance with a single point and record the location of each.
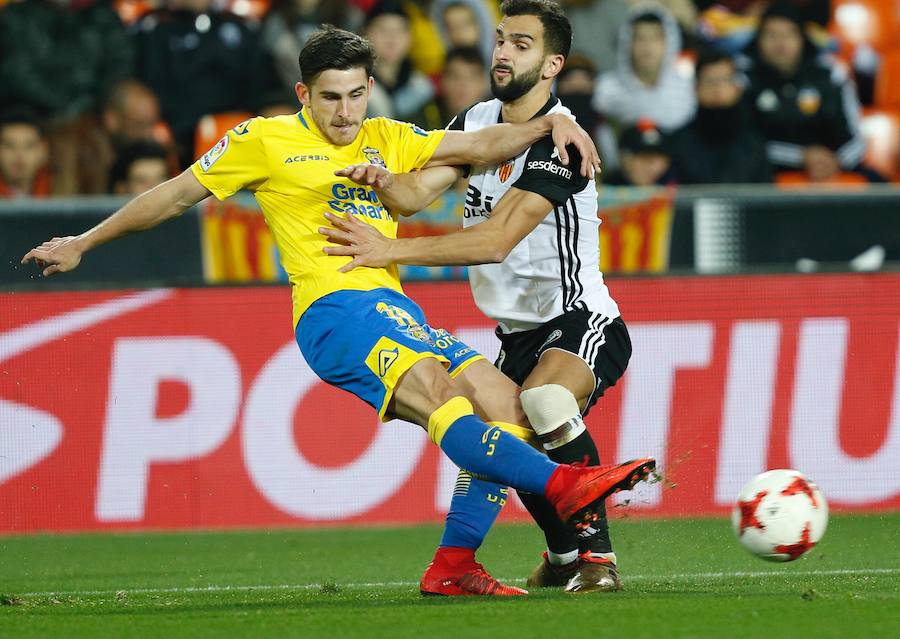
(368, 175)
(58, 255)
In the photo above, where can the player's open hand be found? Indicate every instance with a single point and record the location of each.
(368, 175)
(58, 255)
(565, 132)
(363, 242)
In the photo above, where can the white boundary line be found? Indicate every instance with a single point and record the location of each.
(687, 576)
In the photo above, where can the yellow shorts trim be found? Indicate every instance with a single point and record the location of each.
(389, 360)
(459, 369)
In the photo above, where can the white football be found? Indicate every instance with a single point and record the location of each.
(780, 515)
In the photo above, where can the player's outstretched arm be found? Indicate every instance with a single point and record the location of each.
(514, 217)
(500, 142)
(403, 193)
(153, 207)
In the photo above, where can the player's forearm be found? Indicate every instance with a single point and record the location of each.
(465, 248)
(500, 142)
(147, 210)
(405, 194)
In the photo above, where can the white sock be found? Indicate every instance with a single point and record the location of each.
(563, 559)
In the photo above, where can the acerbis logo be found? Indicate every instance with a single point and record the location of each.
(386, 359)
(306, 158)
(550, 167)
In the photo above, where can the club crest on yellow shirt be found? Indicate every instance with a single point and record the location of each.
(374, 156)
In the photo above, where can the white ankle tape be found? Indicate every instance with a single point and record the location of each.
(553, 413)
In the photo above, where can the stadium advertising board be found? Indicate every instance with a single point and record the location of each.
(180, 408)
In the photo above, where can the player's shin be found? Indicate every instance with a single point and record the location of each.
(556, 418)
(476, 502)
(473, 510)
(488, 451)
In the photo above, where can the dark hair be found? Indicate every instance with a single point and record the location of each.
(470, 55)
(709, 58)
(557, 28)
(333, 48)
(132, 153)
(22, 115)
(647, 18)
(385, 8)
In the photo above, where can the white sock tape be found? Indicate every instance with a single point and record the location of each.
(554, 414)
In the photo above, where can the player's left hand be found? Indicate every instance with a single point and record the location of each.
(363, 242)
(566, 131)
(368, 175)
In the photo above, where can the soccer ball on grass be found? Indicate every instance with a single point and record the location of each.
(780, 515)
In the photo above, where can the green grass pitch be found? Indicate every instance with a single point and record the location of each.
(683, 578)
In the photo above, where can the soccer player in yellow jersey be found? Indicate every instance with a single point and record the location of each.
(357, 330)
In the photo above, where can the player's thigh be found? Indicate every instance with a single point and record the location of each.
(494, 396)
(558, 366)
(583, 351)
(367, 342)
(421, 390)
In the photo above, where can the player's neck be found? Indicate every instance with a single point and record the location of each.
(524, 108)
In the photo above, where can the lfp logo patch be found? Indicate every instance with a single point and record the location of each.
(209, 158)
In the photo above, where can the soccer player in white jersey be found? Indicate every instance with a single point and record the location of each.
(531, 238)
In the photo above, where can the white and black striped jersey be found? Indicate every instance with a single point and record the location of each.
(556, 267)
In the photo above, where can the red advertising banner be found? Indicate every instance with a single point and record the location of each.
(194, 408)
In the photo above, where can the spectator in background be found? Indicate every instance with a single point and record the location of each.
(464, 82)
(465, 23)
(58, 58)
(198, 62)
(290, 23)
(818, 11)
(401, 92)
(23, 156)
(803, 104)
(85, 150)
(645, 158)
(575, 89)
(139, 167)
(595, 29)
(719, 145)
(646, 83)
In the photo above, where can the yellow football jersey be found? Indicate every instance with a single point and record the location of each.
(289, 166)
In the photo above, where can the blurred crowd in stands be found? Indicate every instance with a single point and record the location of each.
(115, 97)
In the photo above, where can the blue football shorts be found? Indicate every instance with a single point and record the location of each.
(363, 342)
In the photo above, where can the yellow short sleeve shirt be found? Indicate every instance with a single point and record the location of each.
(289, 166)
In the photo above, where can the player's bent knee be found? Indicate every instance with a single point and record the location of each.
(554, 414)
(423, 389)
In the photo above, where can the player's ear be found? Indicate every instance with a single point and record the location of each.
(371, 85)
(302, 91)
(553, 64)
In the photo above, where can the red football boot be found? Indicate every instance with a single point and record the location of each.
(574, 489)
(454, 573)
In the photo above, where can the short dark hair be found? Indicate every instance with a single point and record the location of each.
(22, 115)
(470, 55)
(709, 58)
(647, 18)
(142, 150)
(333, 48)
(557, 28)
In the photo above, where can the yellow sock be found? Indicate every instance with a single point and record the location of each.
(525, 434)
(443, 417)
